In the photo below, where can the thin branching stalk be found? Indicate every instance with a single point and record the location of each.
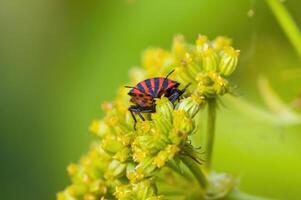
(211, 118)
(195, 170)
(287, 23)
(183, 173)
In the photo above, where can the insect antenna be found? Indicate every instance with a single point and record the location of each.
(169, 73)
(165, 79)
(126, 86)
(186, 86)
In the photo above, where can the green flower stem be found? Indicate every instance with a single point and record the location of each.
(239, 195)
(287, 23)
(211, 118)
(180, 171)
(196, 171)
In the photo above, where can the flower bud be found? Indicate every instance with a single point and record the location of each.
(229, 60)
(98, 127)
(149, 144)
(164, 107)
(187, 60)
(204, 79)
(156, 59)
(162, 124)
(221, 42)
(123, 155)
(220, 185)
(138, 153)
(111, 121)
(123, 192)
(72, 169)
(110, 144)
(75, 190)
(64, 196)
(177, 137)
(191, 64)
(137, 75)
(126, 138)
(146, 168)
(144, 189)
(183, 75)
(130, 172)
(163, 116)
(86, 179)
(211, 84)
(201, 42)
(98, 187)
(98, 153)
(210, 59)
(205, 91)
(182, 123)
(144, 127)
(115, 169)
(120, 106)
(179, 47)
(221, 85)
(165, 155)
(88, 196)
(191, 105)
(106, 106)
(86, 161)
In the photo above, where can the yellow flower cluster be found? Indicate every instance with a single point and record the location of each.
(125, 163)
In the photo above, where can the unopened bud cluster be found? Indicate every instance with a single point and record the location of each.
(128, 164)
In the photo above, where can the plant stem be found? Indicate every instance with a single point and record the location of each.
(210, 130)
(287, 23)
(196, 171)
(178, 170)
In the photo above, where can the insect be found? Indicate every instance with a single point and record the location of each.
(144, 93)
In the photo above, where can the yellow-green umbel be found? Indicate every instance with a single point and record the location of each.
(149, 162)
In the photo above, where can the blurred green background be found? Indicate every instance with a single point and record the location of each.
(59, 59)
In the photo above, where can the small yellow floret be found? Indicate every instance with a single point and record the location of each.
(106, 106)
(89, 197)
(221, 41)
(72, 169)
(202, 39)
(230, 51)
(94, 127)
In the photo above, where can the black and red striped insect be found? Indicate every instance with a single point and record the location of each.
(143, 95)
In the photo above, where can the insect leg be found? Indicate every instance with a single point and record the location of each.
(135, 109)
(134, 118)
(140, 115)
(176, 95)
(149, 109)
(138, 110)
